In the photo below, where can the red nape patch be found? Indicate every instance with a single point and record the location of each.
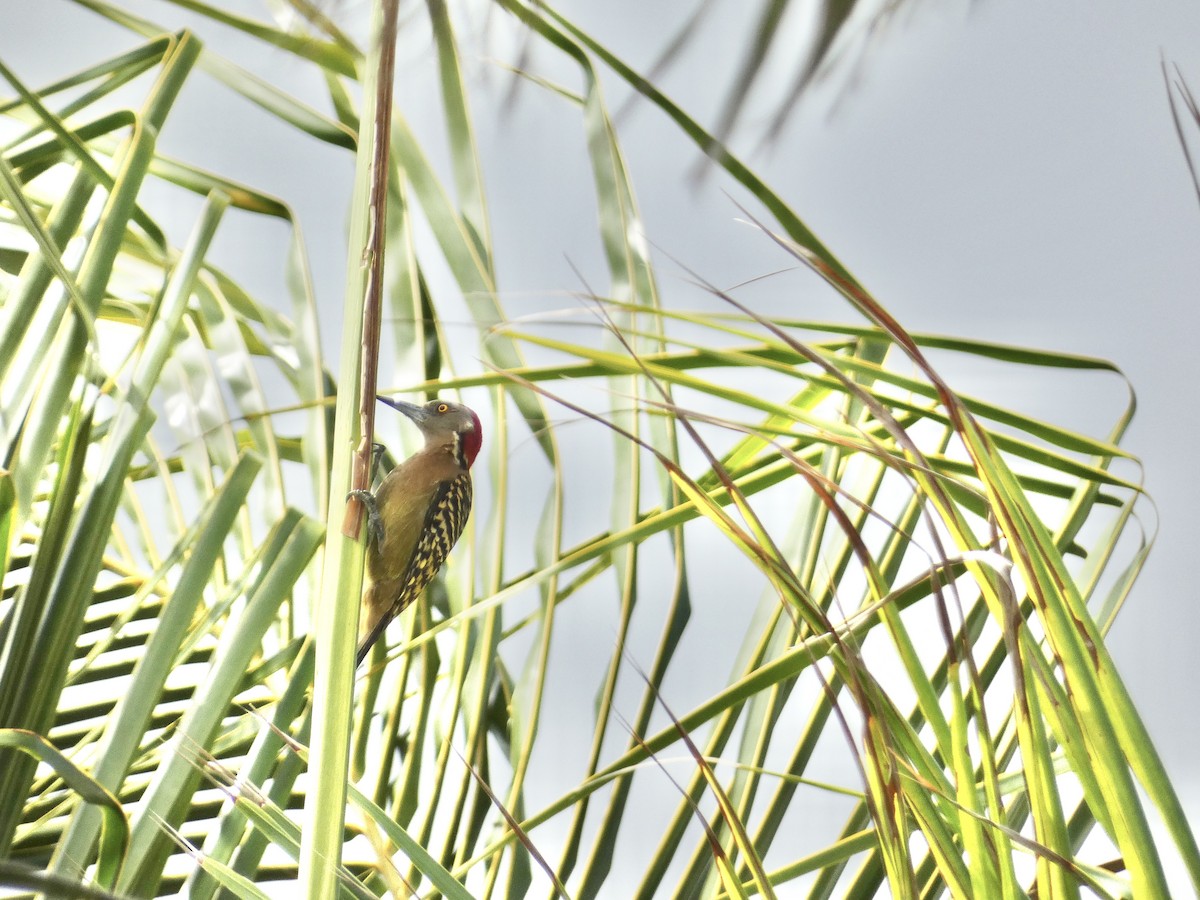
(472, 440)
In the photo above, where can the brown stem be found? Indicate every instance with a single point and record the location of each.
(373, 257)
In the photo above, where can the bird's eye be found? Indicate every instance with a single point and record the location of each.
(442, 407)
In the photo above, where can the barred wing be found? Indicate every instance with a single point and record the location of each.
(443, 526)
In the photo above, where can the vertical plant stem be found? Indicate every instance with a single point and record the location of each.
(336, 613)
(380, 147)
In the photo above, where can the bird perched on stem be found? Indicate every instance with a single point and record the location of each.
(418, 512)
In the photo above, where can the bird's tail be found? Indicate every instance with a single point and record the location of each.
(364, 646)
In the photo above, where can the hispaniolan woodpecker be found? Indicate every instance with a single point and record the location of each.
(418, 512)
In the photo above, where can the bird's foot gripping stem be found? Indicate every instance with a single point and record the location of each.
(374, 520)
(377, 451)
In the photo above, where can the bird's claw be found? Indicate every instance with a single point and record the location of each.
(374, 520)
(377, 451)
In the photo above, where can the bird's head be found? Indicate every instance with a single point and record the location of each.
(447, 423)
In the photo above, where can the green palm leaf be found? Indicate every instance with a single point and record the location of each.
(767, 589)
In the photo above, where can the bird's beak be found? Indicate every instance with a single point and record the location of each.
(412, 410)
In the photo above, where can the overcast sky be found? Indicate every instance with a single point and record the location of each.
(1010, 171)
